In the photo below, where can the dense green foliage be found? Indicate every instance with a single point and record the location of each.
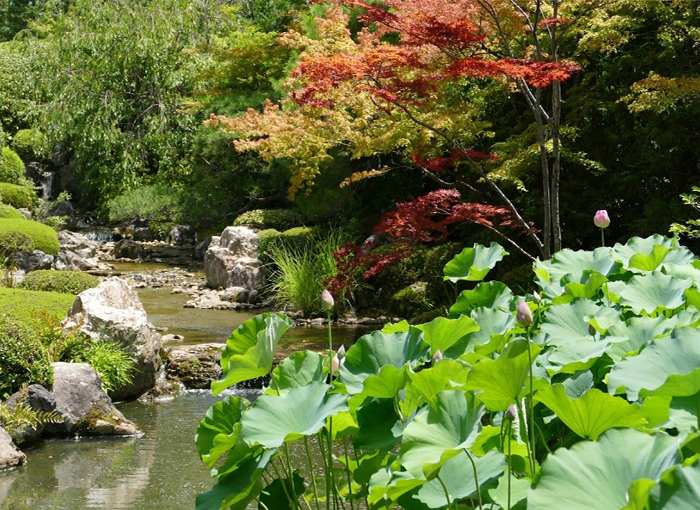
(30, 145)
(11, 166)
(18, 196)
(24, 360)
(509, 399)
(65, 282)
(110, 360)
(42, 237)
(278, 219)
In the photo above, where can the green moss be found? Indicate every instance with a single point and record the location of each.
(29, 305)
(31, 144)
(67, 282)
(18, 196)
(11, 166)
(280, 219)
(7, 211)
(43, 237)
(410, 301)
(24, 359)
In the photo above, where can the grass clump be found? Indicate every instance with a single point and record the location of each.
(110, 360)
(299, 273)
(279, 219)
(11, 166)
(66, 282)
(42, 236)
(19, 196)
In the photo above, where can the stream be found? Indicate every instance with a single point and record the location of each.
(161, 470)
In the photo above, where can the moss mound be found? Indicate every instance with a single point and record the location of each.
(17, 196)
(67, 282)
(11, 166)
(7, 211)
(280, 219)
(42, 236)
(31, 144)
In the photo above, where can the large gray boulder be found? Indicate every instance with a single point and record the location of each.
(232, 260)
(112, 311)
(37, 398)
(183, 235)
(32, 260)
(195, 366)
(10, 455)
(86, 409)
(78, 253)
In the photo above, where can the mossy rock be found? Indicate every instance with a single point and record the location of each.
(410, 301)
(280, 219)
(67, 282)
(11, 166)
(42, 236)
(7, 211)
(31, 144)
(19, 196)
(401, 273)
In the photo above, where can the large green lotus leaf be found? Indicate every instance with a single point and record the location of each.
(649, 261)
(378, 349)
(574, 265)
(424, 386)
(396, 327)
(570, 323)
(573, 357)
(486, 295)
(442, 333)
(458, 476)
(439, 432)
(588, 288)
(473, 264)
(597, 475)
(300, 412)
(593, 413)
(502, 381)
(626, 253)
(679, 490)
(237, 488)
(386, 384)
(518, 492)
(666, 413)
(218, 432)
(491, 322)
(250, 350)
(647, 293)
(578, 384)
(668, 366)
(684, 272)
(630, 336)
(380, 427)
(299, 369)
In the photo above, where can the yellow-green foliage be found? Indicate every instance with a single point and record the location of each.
(280, 219)
(17, 196)
(30, 306)
(68, 282)
(24, 359)
(43, 237)
(7, 211)
(11, 166)
(31, 144)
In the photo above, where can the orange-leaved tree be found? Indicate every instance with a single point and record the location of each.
(398, 84)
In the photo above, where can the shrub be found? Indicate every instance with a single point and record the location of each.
(24, 358)
(111, 362)
(67, 282)
(43, 237)
(31, 144)
(11, 166)
(7, 211)
(279, 219)
(19, 196)
(145, 203)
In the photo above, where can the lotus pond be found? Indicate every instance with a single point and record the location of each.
(584, 395)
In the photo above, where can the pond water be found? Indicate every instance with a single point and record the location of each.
(161, 470)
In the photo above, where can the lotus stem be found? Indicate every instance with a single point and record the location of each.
(326, 470)
(292, 504)
(291, 473)
(476, 480)
(526, 434)
(531, 401)
(447, 494)
(347, 472)
(602, 237)
(311, 471)
(510, 460)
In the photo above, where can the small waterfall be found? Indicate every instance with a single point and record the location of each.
(99, 235)
(47, 184)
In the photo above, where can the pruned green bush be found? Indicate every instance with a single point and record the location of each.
(279, 219)
(67, 282)
(24, 359)
(7, 211)
(19, 196)
(31, 145)
(43, 237)
(11, 166)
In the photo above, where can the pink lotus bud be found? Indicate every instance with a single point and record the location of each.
(524, 315)
(437, 356)
(341, 352)
(335, 365)
(511, 413)
(601, 219)
(537, 297)
(327, 300)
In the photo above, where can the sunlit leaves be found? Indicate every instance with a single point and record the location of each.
(646, 294)
(218, 432)
(473, 264)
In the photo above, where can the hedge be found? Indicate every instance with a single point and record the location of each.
(67, 282)
(42, 236)
(279, 219)
(11, 166)
(18, 196)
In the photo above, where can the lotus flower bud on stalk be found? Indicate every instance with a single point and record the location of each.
(437, 356)
(327, 301)
(601, 219)
(511, 413)
(524, 314)
(537, 297)
(336, 363)
(341, 352)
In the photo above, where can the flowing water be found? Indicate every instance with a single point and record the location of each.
(161, 470)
